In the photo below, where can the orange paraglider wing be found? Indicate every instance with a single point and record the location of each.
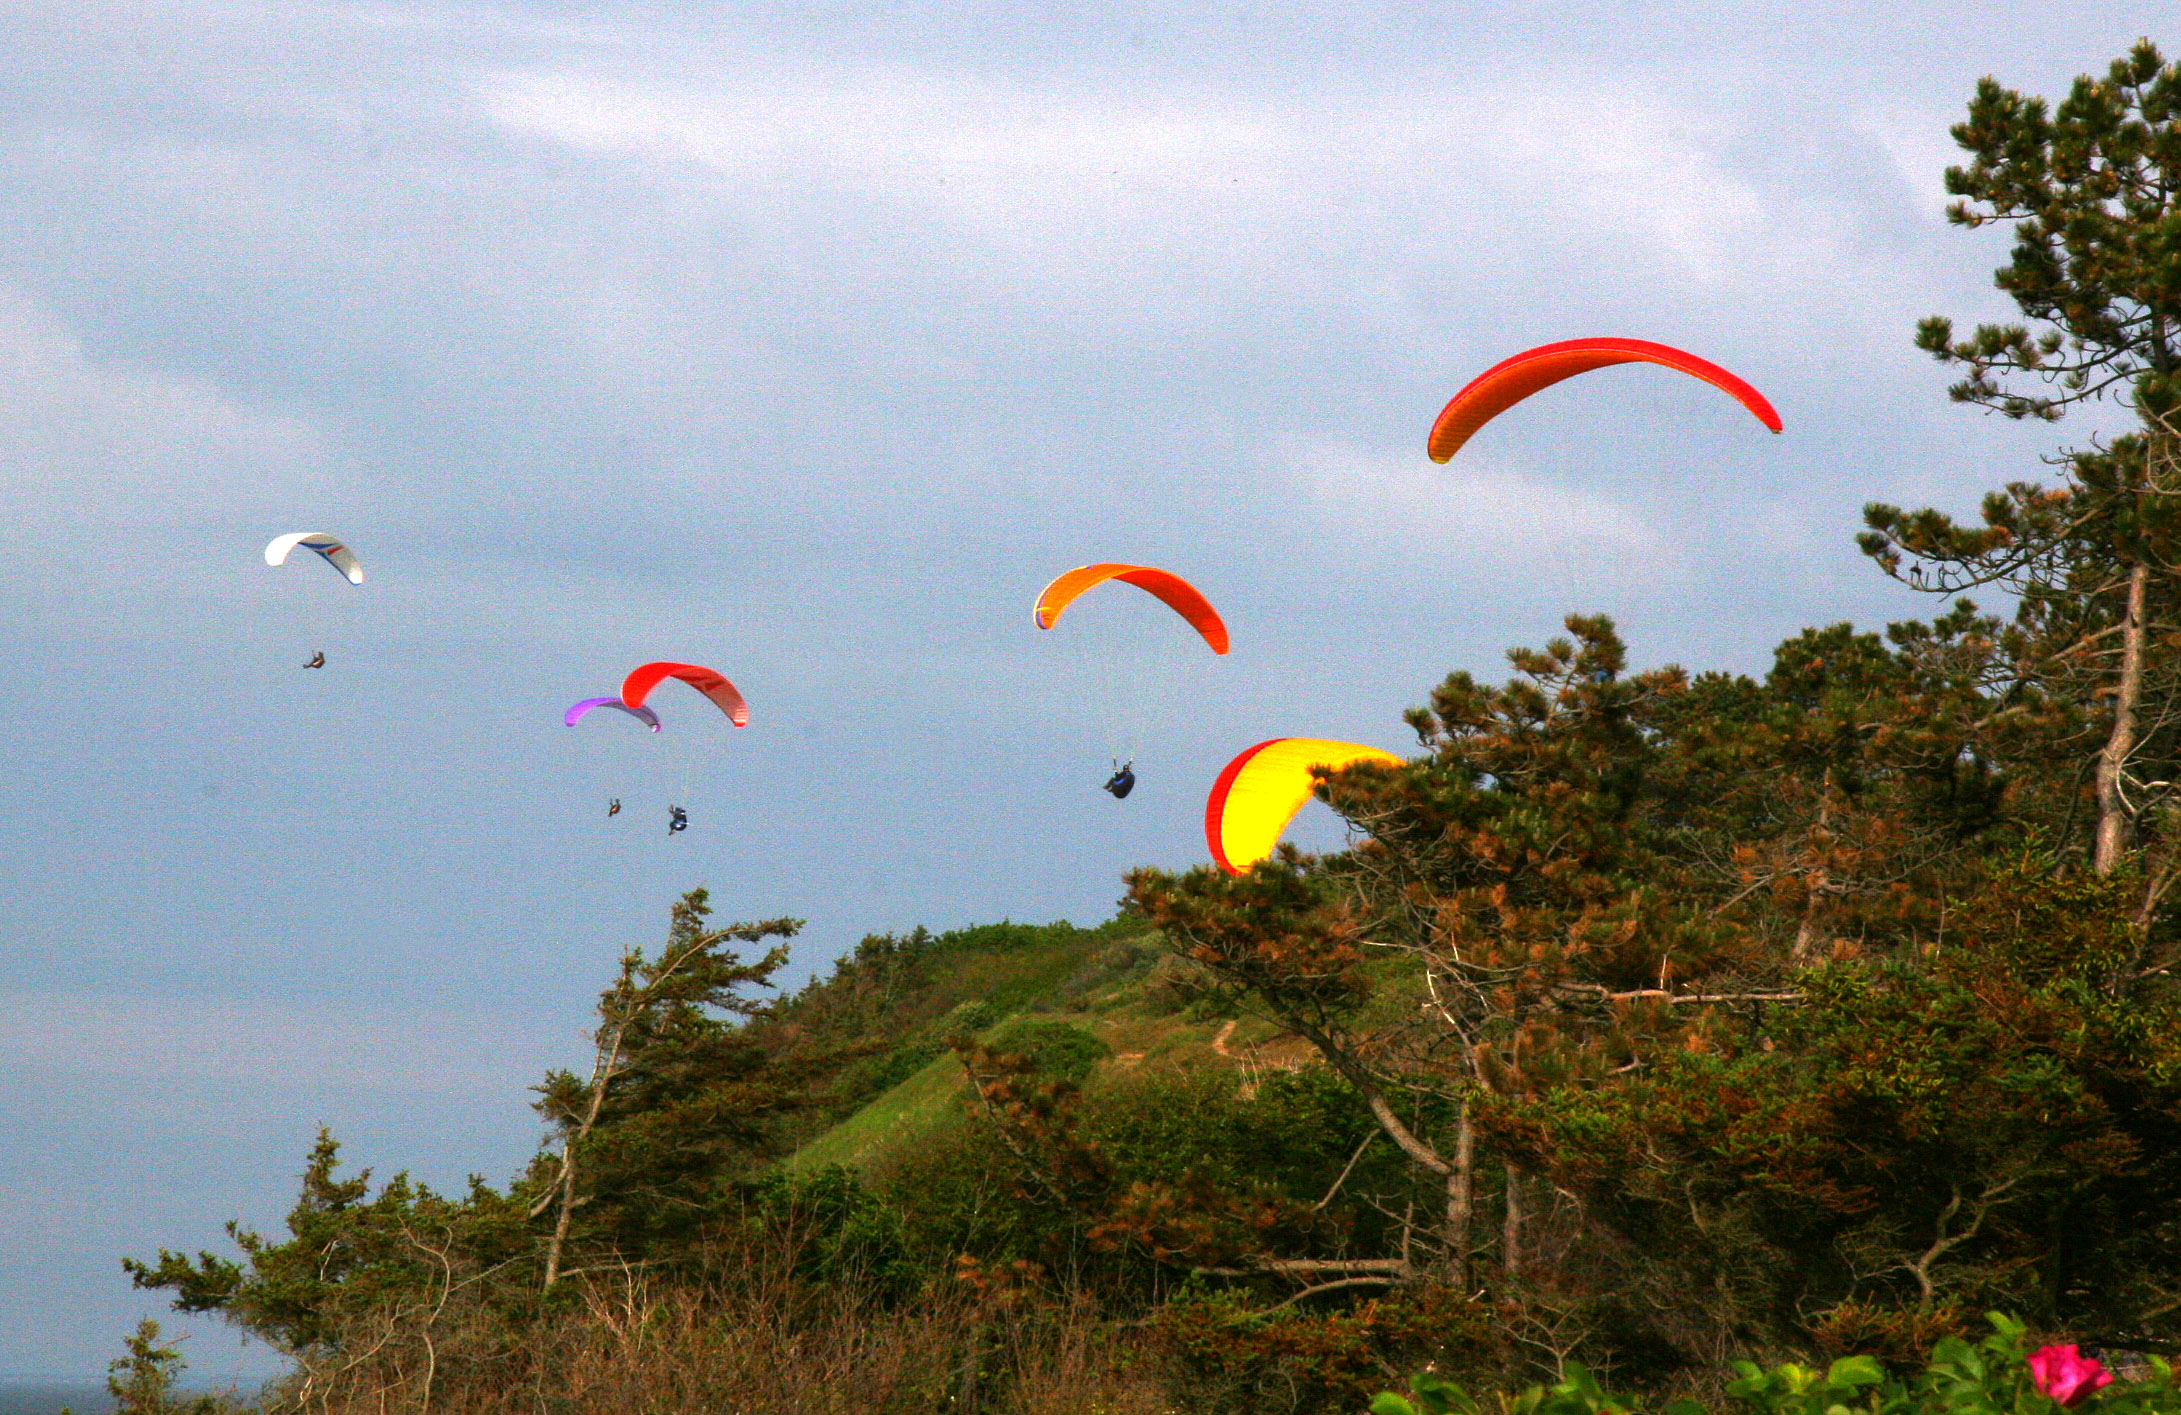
(1509, 381)
(1178, 594)
(1261, 790)
(638, 685)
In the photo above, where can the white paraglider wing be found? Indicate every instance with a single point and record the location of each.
(339, 556)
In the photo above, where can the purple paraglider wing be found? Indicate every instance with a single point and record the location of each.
(644, 715)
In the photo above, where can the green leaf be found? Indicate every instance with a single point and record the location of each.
(1856, 1371)
(1577, 1380)
(1437, 1395)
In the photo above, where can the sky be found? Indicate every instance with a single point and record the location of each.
(807, 341)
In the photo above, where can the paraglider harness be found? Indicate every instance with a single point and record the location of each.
(677, 820)
(317, 660)
(1122, 781)
(613, 808)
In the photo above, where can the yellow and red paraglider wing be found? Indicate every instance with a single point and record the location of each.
(1261, 790)
(1509, 381)
(1177, 594)
(638, 685)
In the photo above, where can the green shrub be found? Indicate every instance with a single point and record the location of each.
(861, 1081)
(1223, 1359)
(1122, 961)
(967, 1019)
(961, 1193)
(1056, 1049)
(834, 1230)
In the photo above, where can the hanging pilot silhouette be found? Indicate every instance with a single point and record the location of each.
(613, 808)
(317, 660)
(677, 820)
(1122, 781)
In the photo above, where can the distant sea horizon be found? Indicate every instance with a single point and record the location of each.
(49, 1395)
(33, 1394)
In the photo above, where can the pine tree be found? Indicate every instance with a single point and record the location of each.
(677, 1090)
(144, 1381)
(2089, 189)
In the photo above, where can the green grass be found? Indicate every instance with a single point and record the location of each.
(924, 1105)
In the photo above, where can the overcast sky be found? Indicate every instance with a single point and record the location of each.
(807, 340)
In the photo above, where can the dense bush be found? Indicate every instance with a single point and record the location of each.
(1996, 1376)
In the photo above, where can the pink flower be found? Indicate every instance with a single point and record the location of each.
(2067, 1377)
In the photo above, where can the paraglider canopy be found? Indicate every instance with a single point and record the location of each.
(1178, 594)
(638, 685)
(339, 556)
(1509, 381)
(1261, 790)
(579, 711)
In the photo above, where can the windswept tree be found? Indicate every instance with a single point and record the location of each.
(678, 1092)
(678, 1106)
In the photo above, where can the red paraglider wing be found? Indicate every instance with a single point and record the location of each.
(1171, 589)
(1509, 381)
(638, 685)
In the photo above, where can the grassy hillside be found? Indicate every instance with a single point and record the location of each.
(1001, 984)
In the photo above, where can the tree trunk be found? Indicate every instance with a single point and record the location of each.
(602, 1074)
(965, 1399)
(1807, 932)
(1460, 1187)
(2112, 843)
(567, 1208)
(1460, 1199)
(1510, 1233)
